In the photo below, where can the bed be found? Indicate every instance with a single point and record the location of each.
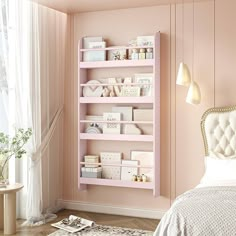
(210, 208)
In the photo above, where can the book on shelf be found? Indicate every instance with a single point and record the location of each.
(73, 224)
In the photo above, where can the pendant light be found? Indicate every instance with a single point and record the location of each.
(183, 76)
(194, 93)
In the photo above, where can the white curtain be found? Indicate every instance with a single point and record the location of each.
(22, 93)
(4, 32)
(28, 91)
(28, 102)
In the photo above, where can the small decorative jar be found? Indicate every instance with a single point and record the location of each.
(134, 178)
(141, 55)
(139, 178)
(144, 178)
(132, 43)
(149, 53)
(135, 54)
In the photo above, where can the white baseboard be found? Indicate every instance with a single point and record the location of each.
(114, 210)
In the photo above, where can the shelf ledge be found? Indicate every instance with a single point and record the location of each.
(117, 63)
(113, 48)
(117, 122)
(116, 183)
(109, 164)
(117, 137)
(131, 100)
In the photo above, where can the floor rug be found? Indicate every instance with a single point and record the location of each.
(102, 230)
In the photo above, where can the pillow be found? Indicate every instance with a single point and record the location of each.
(219, 171)
(219, 155)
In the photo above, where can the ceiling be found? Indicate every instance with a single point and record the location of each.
(76, 6)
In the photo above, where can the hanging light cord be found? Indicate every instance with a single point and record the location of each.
(214, 50)
(183, 29)
(193, 46)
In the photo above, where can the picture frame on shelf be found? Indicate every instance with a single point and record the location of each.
(111, 172)
(147, 80)
(97, 55)
(145, 41)
(130, 91)
(92, 55)
(126, 114)
(111, 128)
(145, 158)
(117, 54)
(128, 172)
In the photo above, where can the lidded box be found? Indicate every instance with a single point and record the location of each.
(91, 172)
(91, 159)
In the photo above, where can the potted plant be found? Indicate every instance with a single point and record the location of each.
(10, 147)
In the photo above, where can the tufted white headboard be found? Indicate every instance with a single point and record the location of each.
(219, 130)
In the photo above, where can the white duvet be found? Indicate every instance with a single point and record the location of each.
(207, 211)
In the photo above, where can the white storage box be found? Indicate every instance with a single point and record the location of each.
(91, 172)
(91, 159)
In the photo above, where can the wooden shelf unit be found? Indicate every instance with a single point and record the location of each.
(86, 139)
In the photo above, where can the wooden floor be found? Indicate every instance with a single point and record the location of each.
(103, 219)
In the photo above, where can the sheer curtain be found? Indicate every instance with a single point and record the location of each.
(28, 103)
(28, 91)
(20, 91)
(4, 32)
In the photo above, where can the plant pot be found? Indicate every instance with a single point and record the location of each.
(3, 173)
(4, 183)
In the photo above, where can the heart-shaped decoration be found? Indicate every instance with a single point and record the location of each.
(132, 129)
(95, 90)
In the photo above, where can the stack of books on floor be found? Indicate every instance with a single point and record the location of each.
(73, 224)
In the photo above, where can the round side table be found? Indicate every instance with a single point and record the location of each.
(8, 207)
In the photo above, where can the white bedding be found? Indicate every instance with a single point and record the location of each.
(207, 211)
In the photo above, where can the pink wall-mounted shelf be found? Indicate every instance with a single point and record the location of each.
(87, 106)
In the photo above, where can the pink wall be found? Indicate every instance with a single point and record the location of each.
(189, 146)
(181, 141)
(218, 90)
(225, 53)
